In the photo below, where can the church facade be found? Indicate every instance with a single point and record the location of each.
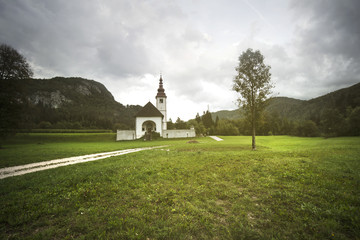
(154, 119)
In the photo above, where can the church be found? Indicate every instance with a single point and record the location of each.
(154, 119)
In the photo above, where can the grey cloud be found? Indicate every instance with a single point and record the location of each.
(332, 26)
(72, 38)
(119, 42)
(328, 40)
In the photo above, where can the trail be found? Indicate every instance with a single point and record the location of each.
(35, 167)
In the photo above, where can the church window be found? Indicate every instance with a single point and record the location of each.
(161, 100)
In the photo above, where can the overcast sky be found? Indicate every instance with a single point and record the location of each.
(313, 47)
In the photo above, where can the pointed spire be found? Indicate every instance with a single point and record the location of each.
(161, 90)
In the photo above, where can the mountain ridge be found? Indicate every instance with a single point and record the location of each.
(76, 102)
(296, 109)
(62, 102)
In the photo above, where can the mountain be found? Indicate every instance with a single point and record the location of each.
(227, 114)
(80, 103)
(69, 103)
(294, 109)
(58, 92)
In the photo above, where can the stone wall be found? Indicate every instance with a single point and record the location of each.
(179, 133)
(125, 135)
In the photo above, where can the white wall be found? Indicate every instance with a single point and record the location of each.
(162, 108)
(179, 133)
(141, 120)
(125, 135)
(132, 134)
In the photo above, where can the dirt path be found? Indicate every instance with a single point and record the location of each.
(35, 167)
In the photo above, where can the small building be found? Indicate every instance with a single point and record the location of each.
(148, 119)
(154, 119)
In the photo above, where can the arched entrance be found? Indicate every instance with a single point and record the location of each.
(148, 127)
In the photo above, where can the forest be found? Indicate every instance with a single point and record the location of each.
(331, 115)
(61, 103)
(77, 103)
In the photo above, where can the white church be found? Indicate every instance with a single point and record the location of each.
(154, 119)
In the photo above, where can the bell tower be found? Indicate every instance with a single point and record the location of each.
(161, 102)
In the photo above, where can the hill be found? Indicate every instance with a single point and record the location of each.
(68, 103)
(294, 109)
(227, 114)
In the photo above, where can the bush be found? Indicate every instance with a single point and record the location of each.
(308, 129)
(45, 125)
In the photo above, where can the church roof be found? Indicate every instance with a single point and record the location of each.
(161, 90)
(149, 110)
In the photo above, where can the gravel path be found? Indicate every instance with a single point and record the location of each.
(35, 167)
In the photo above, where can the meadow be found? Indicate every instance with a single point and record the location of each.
(289, 188)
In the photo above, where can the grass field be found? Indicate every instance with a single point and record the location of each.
(290, 188)
(38, 147)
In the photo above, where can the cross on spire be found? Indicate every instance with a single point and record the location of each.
(161, 90)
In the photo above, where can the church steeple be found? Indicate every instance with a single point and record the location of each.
(161, 102)
(161, 90)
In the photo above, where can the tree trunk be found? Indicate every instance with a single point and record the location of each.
(253, 119)
(253, 133)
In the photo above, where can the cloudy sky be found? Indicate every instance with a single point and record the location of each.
(313, 47)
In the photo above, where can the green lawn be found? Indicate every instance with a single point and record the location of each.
(38, 147)
(290, 188)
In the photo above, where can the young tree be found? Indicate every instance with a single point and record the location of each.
(253, 83)
(13, 64)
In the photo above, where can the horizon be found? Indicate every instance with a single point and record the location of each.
(312, 47)
(209, 107)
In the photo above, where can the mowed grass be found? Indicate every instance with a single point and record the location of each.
(37, 147)
(290, 188)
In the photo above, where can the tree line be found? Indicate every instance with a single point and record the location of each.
(252, 82)
(95, 110)
(330, 124)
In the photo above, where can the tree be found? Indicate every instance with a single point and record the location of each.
(227, 128)
(180, 124)
(217, 121)
(199, 126)
(207, 119)
(10, 109)
(198, 118)
(308, 128)
(12, 64)
(170, 124)
(354, 122)
(253, 83)
(332, 122)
